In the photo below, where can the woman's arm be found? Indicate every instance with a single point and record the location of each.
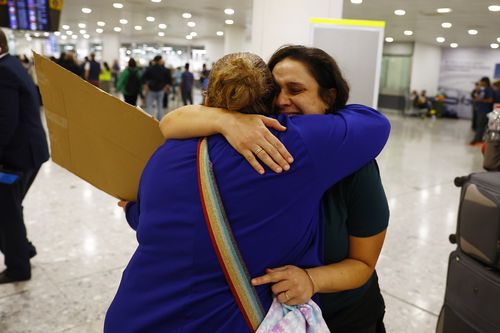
(247, 134)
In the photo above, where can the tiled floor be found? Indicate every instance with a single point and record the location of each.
(84, 242)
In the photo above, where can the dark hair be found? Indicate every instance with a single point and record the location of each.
(157, 58)
(3, 42)
(486, 80)
(132, 63)
(105, 64)
(186, 66)
(322, 67)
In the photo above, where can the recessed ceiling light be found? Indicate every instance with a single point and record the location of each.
(229, 11)
(162, 26)
(29, 38)
(86, 10)
(150, 19)
(117, 29)
(36, 34)
(408, 32)
(74, 37)
(99, 30)
(191, 24)
(454, 45)
(356, 2)
(229, 21)
(156, 1)
(179, 52)
(389, 39)
(494, 8)
(65, 26)
(446, 25)
(101, 23)
(194, 33)
(400, 12)
(443, 10)
(83, 32)
(118, 5)
(138, 27)
(494, 45)
(440, 39)
(472, 32)
(86, 36)
(82, 25)
(189, 37)
(161, 34)
(220, 33)
(186, 15)
(64, 37)
(123, 21)
(69, 32)
(57, 33)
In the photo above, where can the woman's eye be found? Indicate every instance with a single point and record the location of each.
(295, 91)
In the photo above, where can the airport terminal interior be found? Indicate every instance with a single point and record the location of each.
(436, 48)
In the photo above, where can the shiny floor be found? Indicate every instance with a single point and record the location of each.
(84, 242)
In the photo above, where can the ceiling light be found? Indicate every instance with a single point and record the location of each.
(65, 26)
(356, 2)
(443, 10)
(83, 32)
(453, 45)
(498, 39)
(494, 8)
(389, 39)
(86, 10)
(162, 26)
(189, 37)
(229, 21)
(161, 34)
(446, 25)
(99, 30)
(150, 19)
(69, 32)
(440, 39)
(191, 24)
(472, 32)
(29, 38)
(186, 15)
(408, 33)
(123, 21)
(179, 52)
(229, 11)
(194, 33)
(64, 37)
(220, 33)
(156, 1)
(101, 23)
(86, 36)
(117, 29)
(36, 34)
(138, 27)
(46, 34)
(74, 37)
(494, 45)
(57, 33)
(118, 5)
(82, 25)
(400, 12)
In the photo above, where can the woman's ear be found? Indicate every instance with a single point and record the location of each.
(205, 100)
(330, 97)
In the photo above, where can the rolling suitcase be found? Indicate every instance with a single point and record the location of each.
(472, 299)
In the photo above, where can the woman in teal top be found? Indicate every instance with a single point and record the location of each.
(356, 213)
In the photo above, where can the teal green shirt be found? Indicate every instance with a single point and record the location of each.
(355, 206)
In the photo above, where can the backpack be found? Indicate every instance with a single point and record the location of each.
(133, 85)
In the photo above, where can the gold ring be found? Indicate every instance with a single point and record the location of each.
(258, 150)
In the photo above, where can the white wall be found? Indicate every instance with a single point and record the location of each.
(214, 47)
(425, 68)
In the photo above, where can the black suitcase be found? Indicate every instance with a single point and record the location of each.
(478, 227)
(472, 298)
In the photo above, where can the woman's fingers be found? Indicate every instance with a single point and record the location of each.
(250, 157)
(273, 123)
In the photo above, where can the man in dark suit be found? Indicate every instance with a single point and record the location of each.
(23, 149)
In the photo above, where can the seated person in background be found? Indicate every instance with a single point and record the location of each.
(173, 283)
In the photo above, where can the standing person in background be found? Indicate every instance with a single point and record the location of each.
(168, 77)
(105, 77)
(68, 61)
(129, 83)
(484, 104)
(92, 70)
(496, 91)
(204, 79)
(187, 81)
(156, 80)
(23, 149)
(474, 93)
(115, 68)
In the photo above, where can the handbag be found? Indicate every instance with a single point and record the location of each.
(304, 318)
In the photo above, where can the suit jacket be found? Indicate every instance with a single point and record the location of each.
(23, 143)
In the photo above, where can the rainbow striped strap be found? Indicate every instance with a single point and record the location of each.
(225, 246)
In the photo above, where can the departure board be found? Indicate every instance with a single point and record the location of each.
(35, 15)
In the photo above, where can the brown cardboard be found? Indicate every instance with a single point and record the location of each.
(94, 135)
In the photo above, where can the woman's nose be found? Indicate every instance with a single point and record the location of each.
(282, 100)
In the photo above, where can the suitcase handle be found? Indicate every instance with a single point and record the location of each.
(453, 238)
(460, 181)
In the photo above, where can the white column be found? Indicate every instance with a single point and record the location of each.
(279, 22)
(426, 64)
(110, 47)
(215, 49)
(235, 40)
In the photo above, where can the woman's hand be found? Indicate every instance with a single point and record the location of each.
(291, 285)
(123, 204)
(250, 136)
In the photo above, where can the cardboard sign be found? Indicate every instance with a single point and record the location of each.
(94, 135)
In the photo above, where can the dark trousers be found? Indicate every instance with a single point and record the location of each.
(13, 240)
(481, 123)
(130, 99)
(187, 95)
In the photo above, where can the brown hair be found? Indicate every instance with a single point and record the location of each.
(3, 42)
(241, 82)
(322, 67)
